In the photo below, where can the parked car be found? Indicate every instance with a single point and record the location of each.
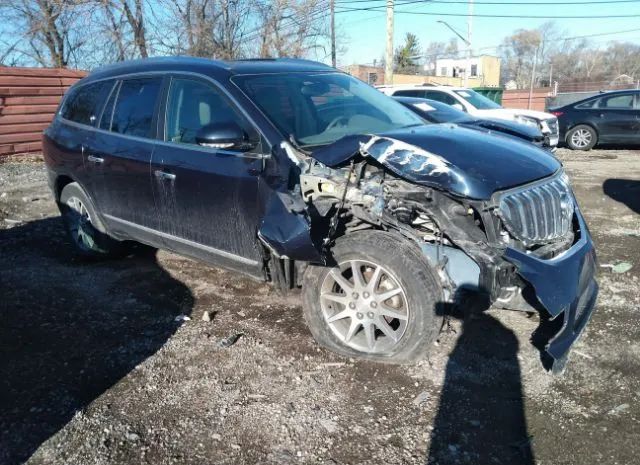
(470, 101)
(608, 118)
(437, 112)
(292, 172)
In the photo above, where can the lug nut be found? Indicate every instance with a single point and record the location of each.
(370, 315)
(352, 306)
(360, 316)
(365, 295)
(374, 304)
(354, 295)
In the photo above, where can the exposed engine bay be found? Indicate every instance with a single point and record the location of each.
(474, 245)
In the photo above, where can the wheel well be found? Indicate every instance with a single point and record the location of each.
(61, 182)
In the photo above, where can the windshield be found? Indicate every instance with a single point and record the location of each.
(477, 100)
(318, 109)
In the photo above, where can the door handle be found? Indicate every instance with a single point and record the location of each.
(94, 159)
(164, 175)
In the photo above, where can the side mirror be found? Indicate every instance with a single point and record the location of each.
(458, 106)
(223, 136)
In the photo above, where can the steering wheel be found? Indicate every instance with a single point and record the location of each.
(334, 122)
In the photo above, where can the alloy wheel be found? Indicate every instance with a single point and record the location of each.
(365, 306)
(581, 138)
(79, 220)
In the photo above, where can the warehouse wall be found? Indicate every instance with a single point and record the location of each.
(29, 98)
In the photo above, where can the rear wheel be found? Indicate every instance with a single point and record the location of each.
(582, 137)
(381, 301)
(81, 224)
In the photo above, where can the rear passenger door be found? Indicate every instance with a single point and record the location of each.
(207, 198)
(122, 149)
(618, 121)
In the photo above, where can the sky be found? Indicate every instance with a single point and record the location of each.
(363, 32)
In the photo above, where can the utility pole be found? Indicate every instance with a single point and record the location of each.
(533, 77)
(388, 57)
(332, 6)
(467, 70)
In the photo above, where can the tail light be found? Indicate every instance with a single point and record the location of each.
(557, 114)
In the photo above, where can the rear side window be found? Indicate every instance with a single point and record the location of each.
(409, 93)
(84, 103)
(133, 114)
(441, 97)
(588, 103)
(617, 101)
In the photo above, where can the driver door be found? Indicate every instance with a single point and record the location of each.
(206, 198)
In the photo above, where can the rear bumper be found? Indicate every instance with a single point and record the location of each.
(566, 287)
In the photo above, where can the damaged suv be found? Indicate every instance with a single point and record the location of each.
(292, 172)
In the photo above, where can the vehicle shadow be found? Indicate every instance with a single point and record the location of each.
(71, 329)
(480, 417)
(626, 191)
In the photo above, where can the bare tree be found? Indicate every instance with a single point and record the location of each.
(50, 35)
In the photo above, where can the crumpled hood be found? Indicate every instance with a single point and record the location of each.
(463, 161)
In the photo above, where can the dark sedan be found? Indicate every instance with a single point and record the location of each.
(607, 118)
(438, 112)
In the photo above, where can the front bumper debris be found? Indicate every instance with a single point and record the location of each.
(566, 287)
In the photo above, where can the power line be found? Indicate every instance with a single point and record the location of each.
(434, 13)
(589, 2)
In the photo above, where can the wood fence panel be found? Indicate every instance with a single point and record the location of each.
(520, 99)
(29, 98)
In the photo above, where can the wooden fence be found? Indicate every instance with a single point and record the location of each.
(29, 98)
(520, 98)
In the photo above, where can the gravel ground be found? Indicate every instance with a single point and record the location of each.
(100, 363)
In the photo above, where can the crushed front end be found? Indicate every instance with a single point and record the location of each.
(526, 248)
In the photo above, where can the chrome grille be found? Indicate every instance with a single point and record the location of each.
(540, 212)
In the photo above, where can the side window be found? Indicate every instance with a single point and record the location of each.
(133, 114)
(107, 113)
(440, 97)
(589, 104)
(193, 105)
(84, 104)
(409, 93)
(617, 101)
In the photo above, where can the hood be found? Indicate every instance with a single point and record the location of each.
(466, 162)
(508, 127)
(510, 113)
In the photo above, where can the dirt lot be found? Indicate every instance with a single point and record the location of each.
(97, 366)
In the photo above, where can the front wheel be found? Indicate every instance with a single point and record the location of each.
(582, 137)
(381, 301)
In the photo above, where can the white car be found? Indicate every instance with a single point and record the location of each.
(475, 104)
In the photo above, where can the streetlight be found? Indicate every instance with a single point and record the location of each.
(468, 44)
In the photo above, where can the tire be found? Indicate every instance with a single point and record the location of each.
(84, 227)
(347, 323)
(582, 137)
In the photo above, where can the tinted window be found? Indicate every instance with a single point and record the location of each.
(107, 113)
(617, 101)
(83, 105)
(588, 103)
(440, 97)
(192, 105)
(409, 93)
(136, 103)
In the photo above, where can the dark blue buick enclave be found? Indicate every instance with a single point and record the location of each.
(292, 172)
